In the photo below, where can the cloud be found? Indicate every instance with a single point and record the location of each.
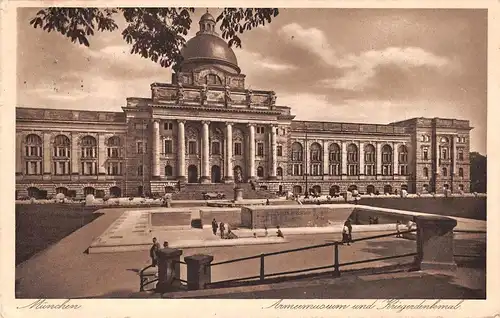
(256, 62)
(312, 40)
(360, 69)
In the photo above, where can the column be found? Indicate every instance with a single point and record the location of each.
(101, 142)
(379, 158)
(361, 158)
(454, 155)
(181, 151)
(47, 154)
(229, 152)
(395, 159)
(307, 158)
(75, 154)
(436, 155)
(274, 152)
(251, 151)
(156, 149)
(205, 148)
(20, 150)
(326, 163)
(344, 158)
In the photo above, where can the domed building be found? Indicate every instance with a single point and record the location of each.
(206, 127)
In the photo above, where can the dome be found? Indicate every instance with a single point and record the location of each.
(208, 47)
(207, 16)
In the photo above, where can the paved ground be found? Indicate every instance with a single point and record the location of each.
(65, 271)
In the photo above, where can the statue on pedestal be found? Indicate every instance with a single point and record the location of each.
(272, 99)
(237, 176)
(227, 96)
(203, 94)
(180, 93)
(249, 97)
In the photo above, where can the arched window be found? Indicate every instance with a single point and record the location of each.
(352, 160)
(169, 171)
(213, 79)
(114, 147)
(387, 160)
(89, 155)
(33, 146)
(425, 172)
(403, 160)
(297, 152)
(62, 155)
(370, 160)
(260, 172)
(316, 159)
(279, 171)
(461, 172)
(334, 159)
(34, 154)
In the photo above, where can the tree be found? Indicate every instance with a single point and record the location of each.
(155, 33)
(478, 164)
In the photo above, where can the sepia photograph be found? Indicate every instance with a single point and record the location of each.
(251, 153)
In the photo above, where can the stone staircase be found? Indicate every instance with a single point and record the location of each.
(194, 191)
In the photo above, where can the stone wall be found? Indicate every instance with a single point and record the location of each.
(294, 216)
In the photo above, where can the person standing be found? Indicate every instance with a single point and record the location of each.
(349, 230)
(345, 234)
(221, 229)
(214, 226)
(398, 229)
(265, 231)
(153, 252)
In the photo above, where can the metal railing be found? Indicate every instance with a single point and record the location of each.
(336, 265)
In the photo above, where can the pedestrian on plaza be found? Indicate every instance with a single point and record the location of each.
(165, 244)
(267, 202)
(214, 226)
(265, 231)
(398, 229)
(370, 220)
(345, 234)
(221, 229)
(349, 230)
(153, 252)
(279, 233)
(375, 220)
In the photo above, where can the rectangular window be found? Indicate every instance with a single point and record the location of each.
(237, 149)
(215, 148)
(335, 170)
(192, 147)
(297, 170)
(140, 147)
(386, 170)
(140, 171)
(370, 170)
(403, 170)
(169, 146)
(460, 155)
(315, 155)
(425, 154)
(444, 153)
(62, 168)
(352, 170)
(168, 126)
(316, 169)
(279, 151)
(260, 149)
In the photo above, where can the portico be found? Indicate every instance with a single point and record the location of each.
(221, 143)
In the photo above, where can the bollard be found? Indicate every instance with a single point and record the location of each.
(169, 271)
(336, 269)
(435, 243)
(199, 272)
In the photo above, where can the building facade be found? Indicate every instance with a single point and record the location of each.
(206, 126)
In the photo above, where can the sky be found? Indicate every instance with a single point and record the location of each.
(354, 65)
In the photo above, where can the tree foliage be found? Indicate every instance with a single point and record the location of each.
(478, 172)
(157, 34)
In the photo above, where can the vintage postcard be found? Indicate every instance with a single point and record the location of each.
(308, 159)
